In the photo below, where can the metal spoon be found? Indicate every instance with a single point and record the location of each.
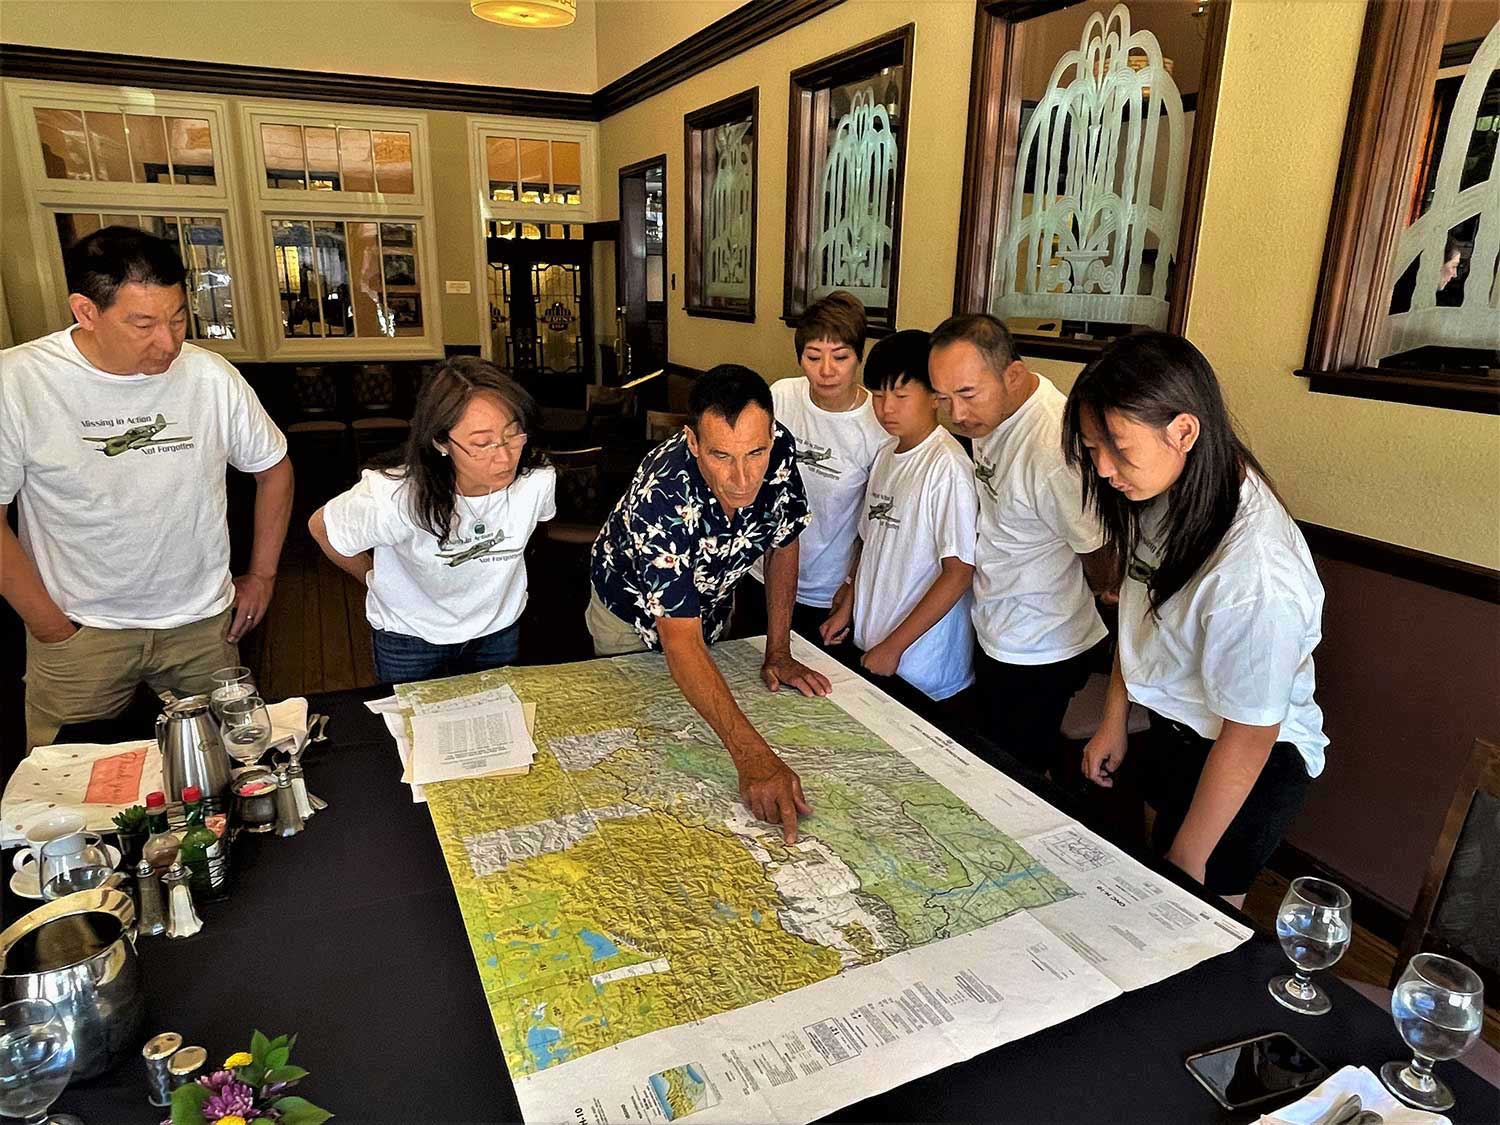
(320, 726)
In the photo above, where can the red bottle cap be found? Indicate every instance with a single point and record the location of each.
(156, 800)
(190, 794)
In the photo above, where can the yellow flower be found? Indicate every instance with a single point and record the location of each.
(233, 1118)
(239, 1058)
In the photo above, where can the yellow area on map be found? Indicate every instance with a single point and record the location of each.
(620, 887)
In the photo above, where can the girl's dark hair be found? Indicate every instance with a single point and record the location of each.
(440, 404)
(1151, 378)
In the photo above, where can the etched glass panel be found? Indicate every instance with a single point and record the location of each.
(1444, 311)
(857, 179)
(558, 316)
(728, 200)
(1096, 203)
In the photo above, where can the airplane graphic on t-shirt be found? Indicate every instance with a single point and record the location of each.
(137, 437)
(477, 550)
(984, 473)
(880, 511)
(814, 457)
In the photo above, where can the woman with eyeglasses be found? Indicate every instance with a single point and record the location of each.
(1220, 611)
(439, 539)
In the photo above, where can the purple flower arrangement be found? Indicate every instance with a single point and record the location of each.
(252, 1087)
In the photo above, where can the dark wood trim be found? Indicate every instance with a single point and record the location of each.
(734, 108)
(993, 141)
(1398, 56)
(1447, 392)
(52, 65)
(1383, 919)
(1205, 110)
(640, 168)
(451, 350)
(1452, 575)
(745, 27)
(805, 82)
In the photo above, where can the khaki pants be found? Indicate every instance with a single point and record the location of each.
(94, 673)
(612, 636)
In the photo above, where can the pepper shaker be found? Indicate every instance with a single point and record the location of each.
(157, 1052)
(299, 789)
(150, 917)
(185, 1064)
(288, 819)
(183, 920)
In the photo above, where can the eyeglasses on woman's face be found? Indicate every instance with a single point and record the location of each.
(511, 441)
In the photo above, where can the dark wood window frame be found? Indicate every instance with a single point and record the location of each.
(990, 162)
(694, 126)
(1399, 55)
(892, 48)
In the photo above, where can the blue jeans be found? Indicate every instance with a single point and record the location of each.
(400, 659)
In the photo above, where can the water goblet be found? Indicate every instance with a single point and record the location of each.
(229, 684)
(70, 864)
(1438, 1006)
(36, 1060)
(246, 727)
(1314, 927)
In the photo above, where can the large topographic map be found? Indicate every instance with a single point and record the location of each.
(621, 889)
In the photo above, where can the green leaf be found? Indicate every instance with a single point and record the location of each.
(259, 1045)
(280, 1041)
(252, 1075)
(276, 1057)
(285, 1074)
(298, 1111)
(187, 1104)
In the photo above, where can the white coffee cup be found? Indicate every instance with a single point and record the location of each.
(57, 823)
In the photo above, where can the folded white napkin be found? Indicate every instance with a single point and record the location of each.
(92, 779)
(1372, 1093)
(289, 717)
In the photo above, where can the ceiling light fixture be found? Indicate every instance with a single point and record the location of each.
(526, 13)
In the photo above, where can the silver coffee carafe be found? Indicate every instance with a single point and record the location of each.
(192, 753)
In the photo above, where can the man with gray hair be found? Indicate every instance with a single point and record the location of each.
(1040, 556)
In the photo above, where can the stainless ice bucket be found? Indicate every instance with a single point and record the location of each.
(79, 953)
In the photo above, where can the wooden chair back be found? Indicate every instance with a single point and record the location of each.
(1458, 909)
(662, 424)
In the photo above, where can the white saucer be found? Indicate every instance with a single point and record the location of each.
(25, 884)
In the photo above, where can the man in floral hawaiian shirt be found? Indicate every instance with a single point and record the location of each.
(703, 507)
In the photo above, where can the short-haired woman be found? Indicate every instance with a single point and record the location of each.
(439, 540)
(1220, 611)
(829, 414)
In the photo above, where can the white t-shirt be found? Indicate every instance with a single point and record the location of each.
(472, 586)
(834, 455)
(1236, 641)
(919, 509)
(1032, 603)
(121, 479)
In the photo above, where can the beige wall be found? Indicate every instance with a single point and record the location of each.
(1416, 476)
(628, 32)
(435, 40)
(933, 169)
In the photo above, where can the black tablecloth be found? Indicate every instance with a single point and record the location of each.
(350, 936)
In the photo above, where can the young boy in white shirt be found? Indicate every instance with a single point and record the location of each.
(907, 594)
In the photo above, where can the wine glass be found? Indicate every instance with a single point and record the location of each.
(1438, 1006)
(229, 684)
(69, 864)
(1314, 927)
(246, 729)
(36, 1059)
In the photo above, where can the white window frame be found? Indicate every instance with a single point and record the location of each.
(46, 197)
(479, 129)
(269, 204)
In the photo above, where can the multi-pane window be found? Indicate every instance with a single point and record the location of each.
(534, 170)
(111, 146)
(330, 158)
(200, 241)
(345, 278)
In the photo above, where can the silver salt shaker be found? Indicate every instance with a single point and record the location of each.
(288, 818)
(157, 1052)
(182, 919)
(150, 917)
(185, 1065)
(299, 789)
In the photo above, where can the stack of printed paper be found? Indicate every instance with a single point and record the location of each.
(483, 734)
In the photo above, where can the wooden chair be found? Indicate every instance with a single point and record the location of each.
(1458, 909)
(317, 438)
(562, 427)
(378, 428)
(599, 400)
(662, 424)
(581, 503)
